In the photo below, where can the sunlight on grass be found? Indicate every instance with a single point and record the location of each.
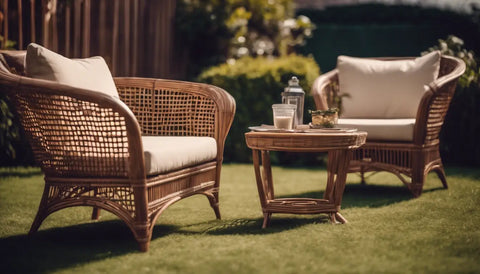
(388, 230)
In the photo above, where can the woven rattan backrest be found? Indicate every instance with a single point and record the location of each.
(440, 101)
(71, 137)
(168, 111)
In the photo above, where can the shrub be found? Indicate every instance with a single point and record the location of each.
(8, 132)
(213, 31)
(256, 84)
(459, 137)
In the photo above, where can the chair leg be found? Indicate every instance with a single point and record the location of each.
(143, 235)
(362, 176)
(41, 213)
(441, 174)
(96, 213)
(416, 186)
(213, 199)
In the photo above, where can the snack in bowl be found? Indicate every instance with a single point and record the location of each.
(324, 118)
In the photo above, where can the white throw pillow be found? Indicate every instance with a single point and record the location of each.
(385, 89)
(89, 73)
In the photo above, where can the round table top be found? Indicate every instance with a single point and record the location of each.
(310, 141)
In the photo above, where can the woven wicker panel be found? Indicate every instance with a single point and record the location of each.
(441, 100)
(120, 195)
(75, 138)
(378, 154)
(170, 112)
(332, 92)
(446, 66)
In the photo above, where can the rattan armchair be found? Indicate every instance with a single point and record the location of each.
(90, 145)
(409, 161)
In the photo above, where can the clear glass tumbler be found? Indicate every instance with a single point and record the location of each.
(283, 116)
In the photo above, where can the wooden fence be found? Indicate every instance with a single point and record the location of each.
(136, 37)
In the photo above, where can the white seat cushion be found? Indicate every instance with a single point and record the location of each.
(385, 89)
(89, 73)
(382, 129)
(166, 153)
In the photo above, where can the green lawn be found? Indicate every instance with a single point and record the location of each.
(388, 230)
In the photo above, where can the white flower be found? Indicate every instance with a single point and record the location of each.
(443, 46)
(290, 23)
(457, 40)
(241, 39)
(304, 19)
(242, 51)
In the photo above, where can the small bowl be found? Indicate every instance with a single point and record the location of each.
(324, 118)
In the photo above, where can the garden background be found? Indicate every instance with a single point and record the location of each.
(251, 48)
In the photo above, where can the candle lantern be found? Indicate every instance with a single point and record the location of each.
(294, 94)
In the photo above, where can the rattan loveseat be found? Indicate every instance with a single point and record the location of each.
(92, 147)
(416, 153)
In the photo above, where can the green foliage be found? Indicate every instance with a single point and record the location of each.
(215, 31)
(256, 83)
(10, 44)
(454, 46)
(459, 136)
(8, 131)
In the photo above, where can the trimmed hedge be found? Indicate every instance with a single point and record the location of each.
(256, 84)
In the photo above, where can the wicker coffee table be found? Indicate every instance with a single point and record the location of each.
(339, 145)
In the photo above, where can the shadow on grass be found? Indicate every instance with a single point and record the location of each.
(355, 195)
(369, 195)
(54, 249)
(278, 223)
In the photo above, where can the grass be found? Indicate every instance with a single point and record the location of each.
(388, 230)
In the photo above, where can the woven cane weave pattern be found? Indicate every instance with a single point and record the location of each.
(440, 103)
(120, 195)
(169, 112)
(76, 138)
(401, 158)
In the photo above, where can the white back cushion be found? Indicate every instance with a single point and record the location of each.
(385, 89)
(89, 73)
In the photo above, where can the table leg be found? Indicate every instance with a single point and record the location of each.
(264, 181)
(338, 162)
(267, 175)
(266, 219)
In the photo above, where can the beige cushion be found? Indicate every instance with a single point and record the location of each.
(385, 89)
(89, 73)
(166, 153)
(382, 129)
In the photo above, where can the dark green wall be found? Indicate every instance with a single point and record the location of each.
(384, 30)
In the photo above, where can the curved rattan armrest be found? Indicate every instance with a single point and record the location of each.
(77, 132)
(324, 89)
(435, 102)
(177, 104)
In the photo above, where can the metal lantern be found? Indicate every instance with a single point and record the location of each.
(294, 94)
